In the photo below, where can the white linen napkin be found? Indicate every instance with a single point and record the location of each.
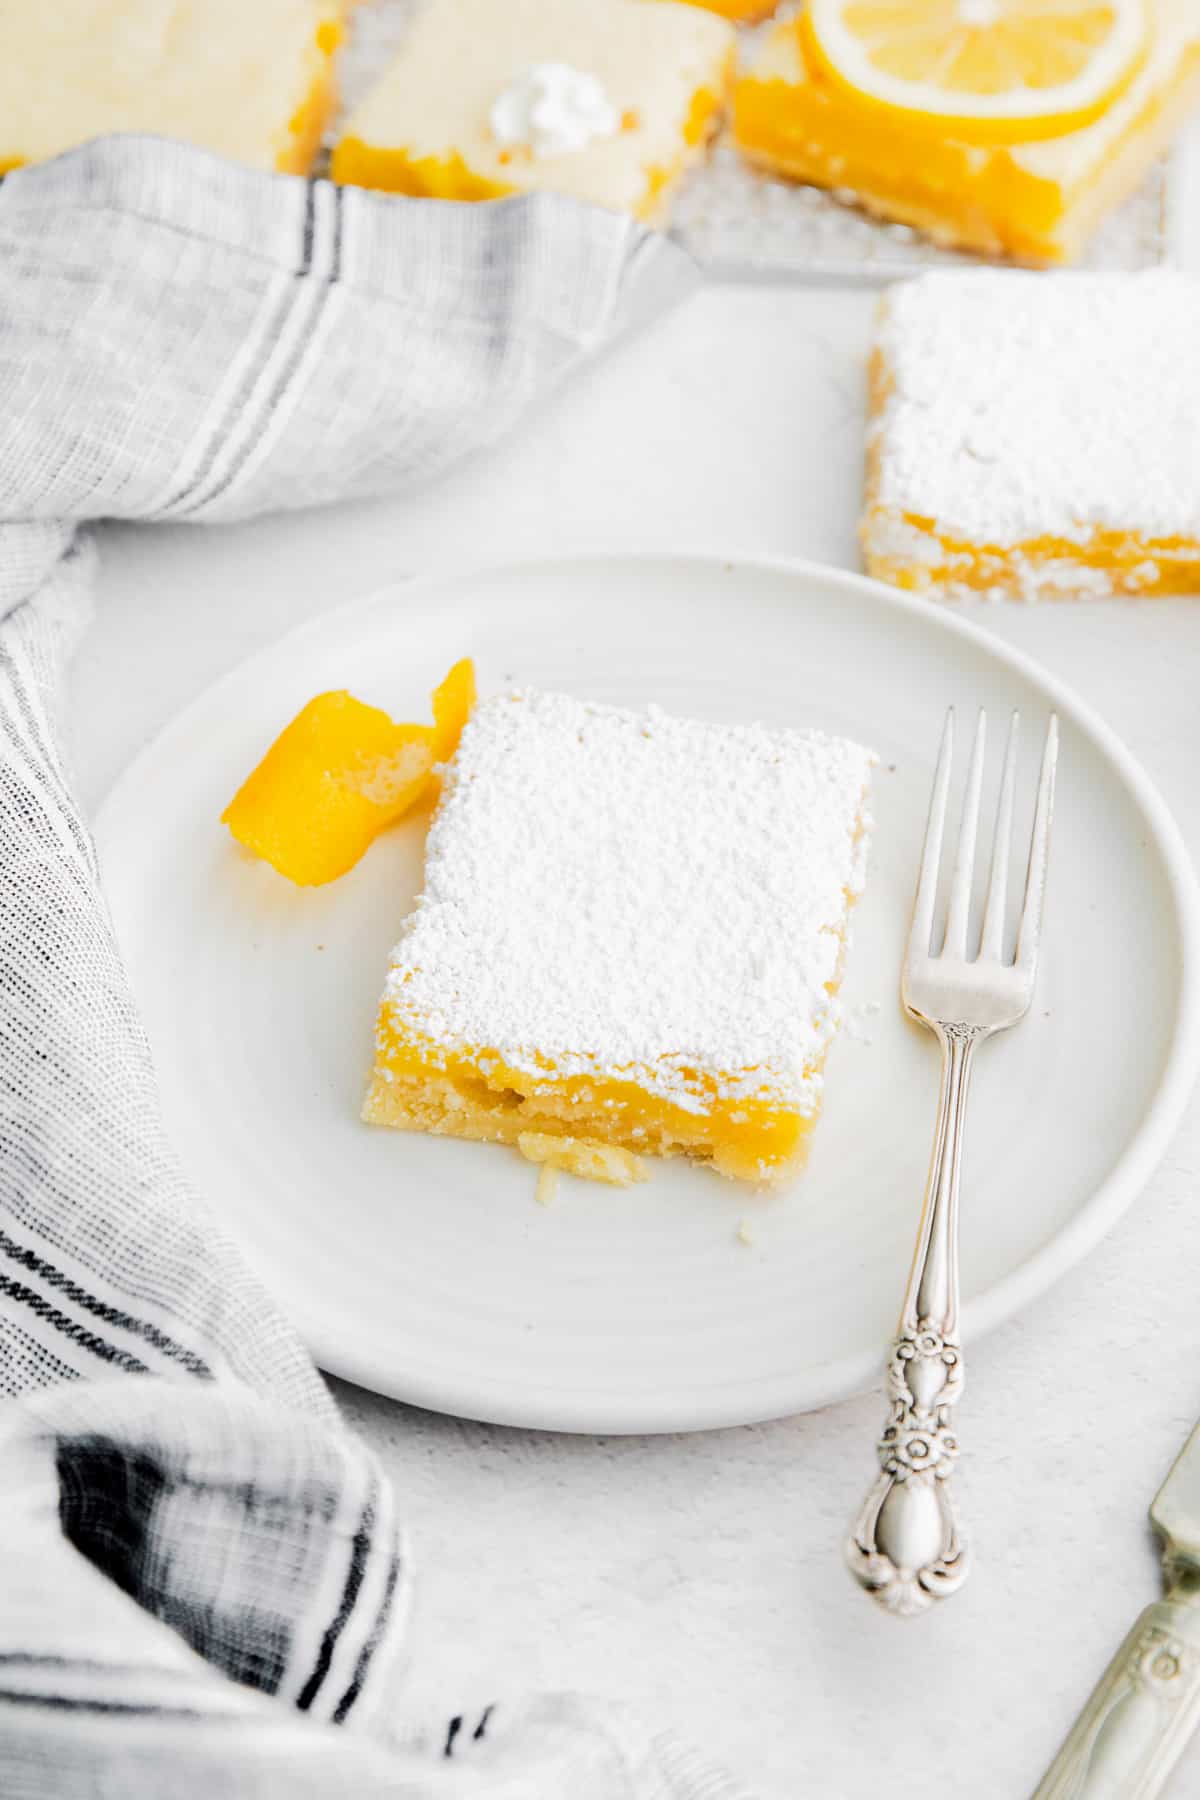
(202, 1573)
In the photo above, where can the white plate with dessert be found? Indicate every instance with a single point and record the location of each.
(424, 1266)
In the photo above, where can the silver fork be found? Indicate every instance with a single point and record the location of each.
(906, 1548)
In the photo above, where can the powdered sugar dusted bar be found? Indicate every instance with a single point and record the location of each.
(631, 930)
(1037, 436)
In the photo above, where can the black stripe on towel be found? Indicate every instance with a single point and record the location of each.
(360, 1550)
(310, 225)
(35, 1659)
(335, 265)
(100, 1309)
(368, 1650)
(71, 1328)
(64, 1703)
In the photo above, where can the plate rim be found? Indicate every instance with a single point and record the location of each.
(853, 1373)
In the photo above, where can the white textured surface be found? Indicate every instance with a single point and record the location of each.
(1027, 406)
(703, 1574)
(588, 861)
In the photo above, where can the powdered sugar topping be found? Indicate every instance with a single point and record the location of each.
(620, 893)
(1029, 406)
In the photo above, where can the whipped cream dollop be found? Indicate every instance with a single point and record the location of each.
(553, 109)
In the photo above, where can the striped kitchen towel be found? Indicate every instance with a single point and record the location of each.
(203, 1578)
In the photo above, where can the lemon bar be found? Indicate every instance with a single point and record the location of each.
(631, 935)
(610, 103)
(1036, 201)
(252, 82)
(1036, 435)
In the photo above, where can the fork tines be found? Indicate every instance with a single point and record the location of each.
(991, 937)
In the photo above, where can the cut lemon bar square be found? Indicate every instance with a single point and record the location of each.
(253, 83)
(609, 103)
(631, 935)
(1036, 435)
(1036, 200)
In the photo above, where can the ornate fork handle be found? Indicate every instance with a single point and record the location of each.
(905, 1548)
(1143, 1711)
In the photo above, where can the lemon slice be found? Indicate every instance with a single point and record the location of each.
(989, 71)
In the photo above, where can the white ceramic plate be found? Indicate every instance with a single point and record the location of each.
(423, 1267)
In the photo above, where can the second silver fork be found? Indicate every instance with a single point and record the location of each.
(906, 1547)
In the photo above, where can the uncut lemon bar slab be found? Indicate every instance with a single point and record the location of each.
(250, 81)
(1036, 436)
(631, 934)
(610, 102)
(1037, 202)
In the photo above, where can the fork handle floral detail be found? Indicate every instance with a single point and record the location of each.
(906, 1549)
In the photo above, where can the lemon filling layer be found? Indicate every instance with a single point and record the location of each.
(631, 936)
(1106, 564)
(416, 1086)
(739, 12)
